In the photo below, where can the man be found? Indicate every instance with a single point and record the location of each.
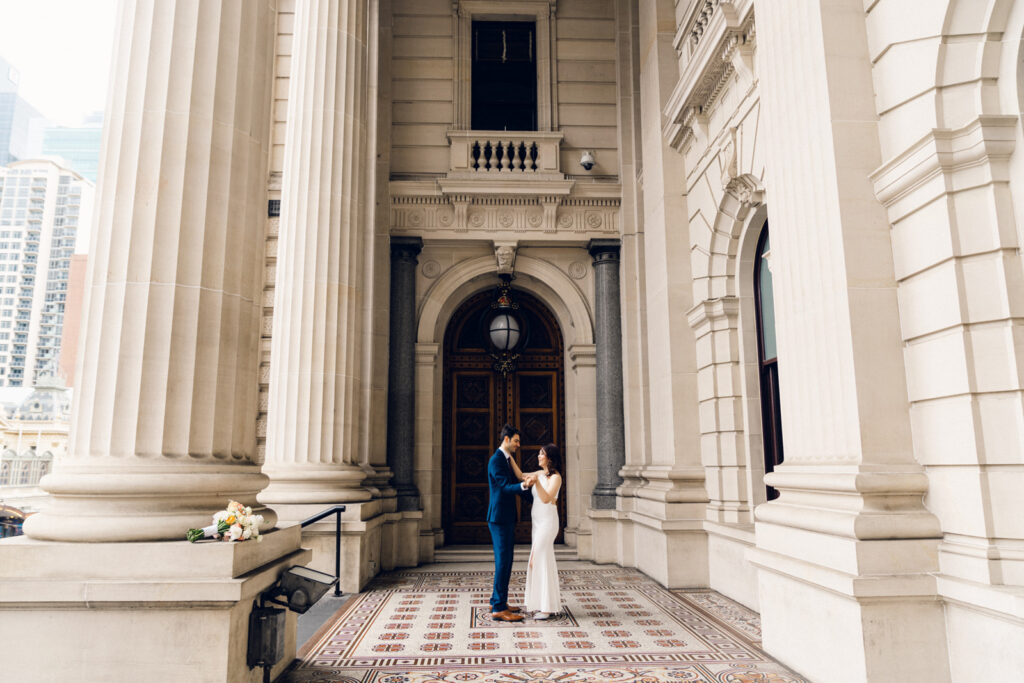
(501, 519)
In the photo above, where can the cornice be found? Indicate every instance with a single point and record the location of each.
(719, 37)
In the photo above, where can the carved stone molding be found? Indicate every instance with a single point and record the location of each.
(722, 42)
(456, 214)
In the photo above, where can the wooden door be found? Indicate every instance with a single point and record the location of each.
(478, 401)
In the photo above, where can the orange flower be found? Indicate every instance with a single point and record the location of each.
(230, 520)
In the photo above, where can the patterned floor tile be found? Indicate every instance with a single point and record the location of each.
(618, 625)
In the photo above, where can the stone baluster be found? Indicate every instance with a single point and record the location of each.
(165, 409)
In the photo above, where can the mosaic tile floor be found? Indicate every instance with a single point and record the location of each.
(425, 626)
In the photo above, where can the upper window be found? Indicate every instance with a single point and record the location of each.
(504, 89)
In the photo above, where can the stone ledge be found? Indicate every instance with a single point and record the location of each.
(49, 560)
(920, 586)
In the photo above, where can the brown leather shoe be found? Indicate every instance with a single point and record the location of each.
(516, 610)
(506, 616)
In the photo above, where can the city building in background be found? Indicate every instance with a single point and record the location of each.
(34, 424)
(78, 146)
(41, 206)
(21, 126)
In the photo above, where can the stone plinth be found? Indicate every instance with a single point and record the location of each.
(163, 611)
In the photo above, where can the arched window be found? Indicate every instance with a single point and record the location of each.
(767, 356)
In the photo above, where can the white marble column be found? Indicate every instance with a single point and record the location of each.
(163, 429)
(316, 378)
(848, 552)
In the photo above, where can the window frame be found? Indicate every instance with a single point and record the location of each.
(542, 12)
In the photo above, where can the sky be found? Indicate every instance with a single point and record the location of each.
(62, 49)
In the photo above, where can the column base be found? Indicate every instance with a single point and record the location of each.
(374, 537)
(171, 611)
(892, 627)
(670, 551)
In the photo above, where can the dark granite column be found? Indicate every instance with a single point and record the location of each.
(402, 369)
(611, 435)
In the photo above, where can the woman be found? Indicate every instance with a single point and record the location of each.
(542, 594)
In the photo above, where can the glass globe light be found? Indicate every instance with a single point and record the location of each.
(504, 332)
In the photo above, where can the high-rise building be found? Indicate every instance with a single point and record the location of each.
(18, 119)
(41, 205)
(78, 145)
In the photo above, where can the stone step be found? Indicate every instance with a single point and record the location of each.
(484, 553)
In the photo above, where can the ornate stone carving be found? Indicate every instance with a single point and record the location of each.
(577, 270)
(505, 254)
(420, 215)
(430, 269)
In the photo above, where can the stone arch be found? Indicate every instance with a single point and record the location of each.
(541, 278)
(718, 247)
(563, 296)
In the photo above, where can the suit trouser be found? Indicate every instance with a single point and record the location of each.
(503, 540)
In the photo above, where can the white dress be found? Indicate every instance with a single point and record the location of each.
(542, 594)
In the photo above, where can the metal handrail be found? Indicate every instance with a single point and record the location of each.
(335, 510)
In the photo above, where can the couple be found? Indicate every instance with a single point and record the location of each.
(506, 481)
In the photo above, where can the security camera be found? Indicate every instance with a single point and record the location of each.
(587, 160)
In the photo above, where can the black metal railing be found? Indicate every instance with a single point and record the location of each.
(336, 510)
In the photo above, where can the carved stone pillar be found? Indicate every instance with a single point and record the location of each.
(611, 440)
(165, 409)
(314, 426)
(402, 370)
(848, 552)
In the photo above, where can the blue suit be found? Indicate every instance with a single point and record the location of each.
(501, 519)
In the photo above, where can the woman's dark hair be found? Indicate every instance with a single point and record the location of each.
(554, 458)
(508, 431)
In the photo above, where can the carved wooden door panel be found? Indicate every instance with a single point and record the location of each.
(478, 401)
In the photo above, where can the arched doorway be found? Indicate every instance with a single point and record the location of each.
(478, 400)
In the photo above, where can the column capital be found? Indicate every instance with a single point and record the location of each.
(604, 249)
(406, 248)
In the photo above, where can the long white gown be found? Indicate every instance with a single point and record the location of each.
(542, 594)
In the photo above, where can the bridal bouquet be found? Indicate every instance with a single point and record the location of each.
(235, 523)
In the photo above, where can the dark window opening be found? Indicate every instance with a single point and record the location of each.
(768, 362)
(504, 76)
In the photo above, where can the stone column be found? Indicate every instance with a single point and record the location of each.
(611, 440)
(402, 370)
(165, 410)
(164, 425)
(848, 552)
(313, 425)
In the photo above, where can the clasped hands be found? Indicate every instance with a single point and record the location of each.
(529, 479)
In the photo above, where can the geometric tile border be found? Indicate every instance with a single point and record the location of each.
(618, 625)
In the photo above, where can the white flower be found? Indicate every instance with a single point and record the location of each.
(246, 534)
(221, 516)
(235, 532)
(257, 520)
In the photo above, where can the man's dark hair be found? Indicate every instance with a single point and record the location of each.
(508, 431)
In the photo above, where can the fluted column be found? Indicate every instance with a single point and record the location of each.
(313, 425)
(163, 426)
(611, 439)
(848, 552)
(402, 369)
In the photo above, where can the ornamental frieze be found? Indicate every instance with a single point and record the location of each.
(576, 216)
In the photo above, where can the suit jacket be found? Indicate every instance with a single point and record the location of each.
(503, 490)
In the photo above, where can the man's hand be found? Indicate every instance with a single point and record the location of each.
(529, 479)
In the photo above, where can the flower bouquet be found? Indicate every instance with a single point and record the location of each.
(235, 523)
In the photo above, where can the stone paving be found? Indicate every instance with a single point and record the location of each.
(432, 624)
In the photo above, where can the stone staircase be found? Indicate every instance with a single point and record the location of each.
(484, 553)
